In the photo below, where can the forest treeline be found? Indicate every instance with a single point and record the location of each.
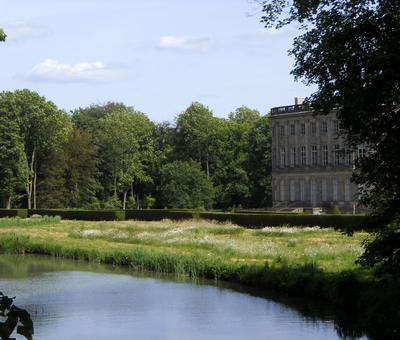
(111, 156)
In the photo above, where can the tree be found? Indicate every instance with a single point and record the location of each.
(71, 175)
(185, 185)
(351, 51)
(3, 35)
(42, 127)
(127, 140)
(13, 165)
(259, 163)
(196, 132)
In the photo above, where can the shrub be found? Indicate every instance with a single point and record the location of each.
(86, 215)
(22, 213)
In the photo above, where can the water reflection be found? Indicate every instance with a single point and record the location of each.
(88, 301)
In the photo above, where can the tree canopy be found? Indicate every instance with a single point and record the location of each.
(351, 51)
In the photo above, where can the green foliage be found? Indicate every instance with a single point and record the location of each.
(184, 185)
(113, 203)
(149, 201)
(3, 35)
(84, 215)
(71, 174)
(350, 51)
(383, 251)
(13, 165)
(22, 213)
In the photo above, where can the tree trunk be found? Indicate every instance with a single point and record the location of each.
(29, 185)
(124, 200)
(34, 186)
(207, 167)
(137, 201)
(8, 202)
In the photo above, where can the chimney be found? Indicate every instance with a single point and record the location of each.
(299, 100)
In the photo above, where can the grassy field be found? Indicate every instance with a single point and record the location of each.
(326, 249)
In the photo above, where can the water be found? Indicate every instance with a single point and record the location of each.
(77, 301)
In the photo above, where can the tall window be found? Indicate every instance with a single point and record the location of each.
(281, 130)
(313, 128)
(335, 126)
(303, 128)
(303, 155)
(324, 126)
(314, 155)
(292, 129)
(274, 157)
(292, 157)
(337, 154)
(349, 156)
(360, 151)
(325, 155)
(283, 157)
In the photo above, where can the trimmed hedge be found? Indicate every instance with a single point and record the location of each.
(22, 213)
(159, 214)
(85, 215)
(342, 222)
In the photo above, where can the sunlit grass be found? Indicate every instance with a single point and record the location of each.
(327, 249)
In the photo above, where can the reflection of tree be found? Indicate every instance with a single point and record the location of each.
(15, 318)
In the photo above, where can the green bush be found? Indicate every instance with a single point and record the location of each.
(341, 222)
(157, 214)
(86, 215)
(22, 213)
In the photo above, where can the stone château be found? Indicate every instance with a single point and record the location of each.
(311, 164)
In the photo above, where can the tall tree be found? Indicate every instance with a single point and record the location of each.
(351, 51)
(42, 127)
(195, 128)
(127, 140)
(13, 166)
(71, 174)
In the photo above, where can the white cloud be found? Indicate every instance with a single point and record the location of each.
(22, 31)
(52, 70)
(180, 43)
(260, 36)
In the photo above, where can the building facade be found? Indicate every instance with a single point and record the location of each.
(311, 164)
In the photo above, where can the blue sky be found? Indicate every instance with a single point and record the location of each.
(155, 55)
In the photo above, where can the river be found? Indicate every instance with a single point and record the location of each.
(71, 300)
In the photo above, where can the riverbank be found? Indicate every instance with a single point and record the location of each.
(301, 261)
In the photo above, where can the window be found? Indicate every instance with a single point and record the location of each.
(313, 128)
(283, 156)
(325, 155)
(314, 155)
(274, 158)
(303, 155)
(337, 154)
(303, 129)
(292, 129)
(360, 151)
(292, 157)
(324, 126)
(349, 160)
(281, 131)
(335, 126)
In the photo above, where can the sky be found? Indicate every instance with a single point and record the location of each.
(155, 55)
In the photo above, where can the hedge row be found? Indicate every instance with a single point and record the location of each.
(342, 222)
(85, 215)
(23, 213)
